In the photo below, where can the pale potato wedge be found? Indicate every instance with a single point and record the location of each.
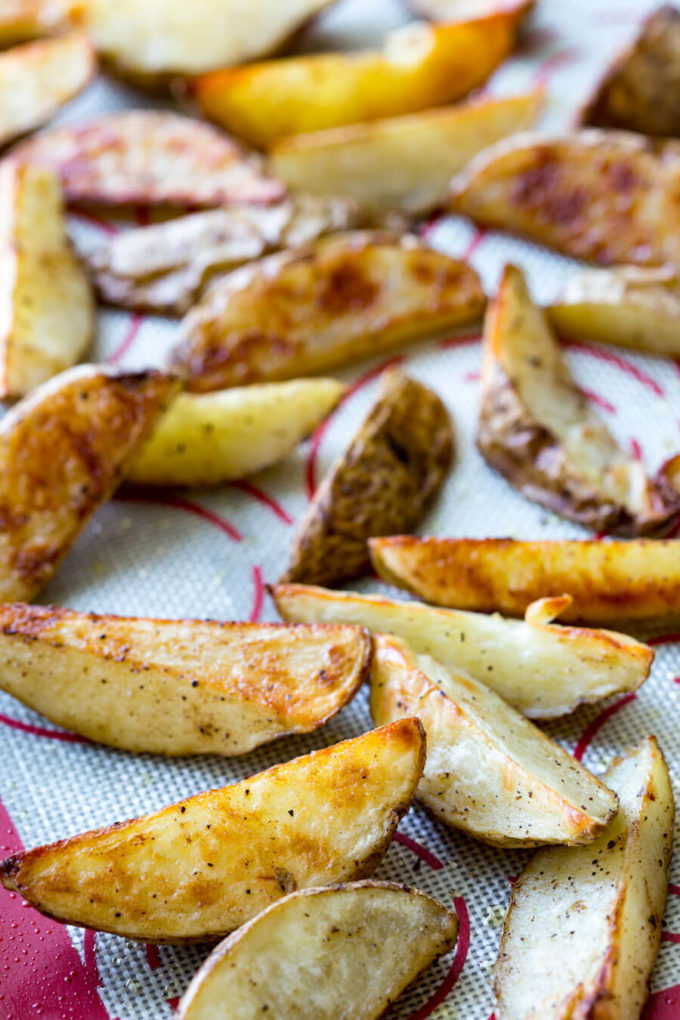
(488, 770)
(402, 162)
(21, 20)
(207, 687)
(389, 474)
(540, 669)
(630, 306)
(603, 196)
(150, 157)
(321, 307)
(161, 37)
(46, 304)
(462, 10)
(635, 582)
(641, 90)
(212, 438)
(584, 924)
(539, 431)
(198, 869)
(63, 451)
(36, 79)
(163, 268)
(419, 66)
(353, 934)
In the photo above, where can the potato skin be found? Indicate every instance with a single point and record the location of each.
(387, 478)
(641, 90)
(604, 196)
(321, 307)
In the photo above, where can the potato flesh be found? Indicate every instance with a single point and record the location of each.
(63, 451)
(21, 20)
(584, 924)
(150, 157)
(419, 67)
(488, 771)
(331, 954)
(211, 438)
(316, 309)
(402, 162)
(454, 10)
(633, 582)
(197, 870)
(39, 77)
(603, 196)
(629, 306)
(164, 266)
(47, 310)
(541, 670)
(170, 36)
(177, 687)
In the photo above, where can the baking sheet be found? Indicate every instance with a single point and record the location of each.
(209, 553)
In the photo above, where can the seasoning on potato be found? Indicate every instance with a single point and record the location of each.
(387, 477)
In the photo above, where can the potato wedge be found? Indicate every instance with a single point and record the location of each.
(636, 582)
(198, 869)
(175, 37)
(488, 770)
(419, 66)
(641, 90)
(540, 669)
(630, 306)
(150, 157)
(36, 79)
(391, 471)
(353, 934)
(322, 307)
(63, 451)
(402, 162)
(208, 688)
(584, 925)
(461, 10)
(603, 196)
(538, 430)
(163, 268)
(21, 20)
(212, 438)
(46, 305)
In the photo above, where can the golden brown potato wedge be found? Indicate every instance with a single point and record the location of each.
(419, 66)
(46, 305)
(630, 306)
(178, 686)
(402, 162)
(198, 869)
(391, 471)
(163, 268)
(603, 196)
(150, 157)
(641, 90)
(488, 770)
(584, 924)
(636, 582)
(212, 438)
(21, 20)
(540, 669)
(460, 10)
(322, 307)
(175, 37)
(354, 935)
(538, 430)
(39, 77)
(63, 451)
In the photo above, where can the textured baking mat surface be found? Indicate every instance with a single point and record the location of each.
(209, 554)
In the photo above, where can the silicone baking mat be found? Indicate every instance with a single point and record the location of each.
(209, 554)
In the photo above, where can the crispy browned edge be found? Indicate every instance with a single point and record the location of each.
(10, 867)
(330, 542)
